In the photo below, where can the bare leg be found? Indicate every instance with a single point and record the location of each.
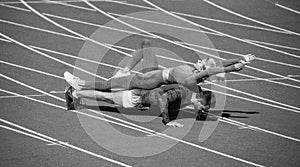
(108, 97)
(149, 80)
(145, 52)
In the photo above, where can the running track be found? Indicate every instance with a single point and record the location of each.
(259, 132)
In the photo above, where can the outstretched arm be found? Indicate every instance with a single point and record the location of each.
(229, 62)
(199, 77)
(245, 58)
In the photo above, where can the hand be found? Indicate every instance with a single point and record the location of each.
(249, 57)
(174, 124)
(239, 66)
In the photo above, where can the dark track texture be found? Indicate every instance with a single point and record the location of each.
(271, 147)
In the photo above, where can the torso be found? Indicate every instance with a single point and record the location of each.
(180, 73)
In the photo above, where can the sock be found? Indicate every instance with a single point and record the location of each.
(74, 94)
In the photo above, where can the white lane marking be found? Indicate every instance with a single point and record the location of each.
(53, 75)
(227, 35)
(11, 96)
(149, 131)
(43, 137)
(89, 9)
(70, 5)
(131, 26)
(234, 73)
(241, 55)
(45, 1)
(230, 36)
(162, 23)
(133, 126)
(30, 135)
(97, 25)
(206, 32)
(141, 30)
(271, 44)
(248, 18)
(14, 7)
(232, 23)
(287, 8)
(203, 18)
(191, 144)
(106, 79)
(258, 97)
(39, 29)
(261, 130)
(163, 135)
(233, 122)
(5, 40)
(30, 69)
(247, 80)
(293, 75)
(280, 107)
(242, 125)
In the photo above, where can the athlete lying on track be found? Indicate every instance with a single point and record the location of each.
(161, 97)
(184, 74)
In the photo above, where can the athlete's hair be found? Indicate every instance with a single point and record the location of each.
(206, 95)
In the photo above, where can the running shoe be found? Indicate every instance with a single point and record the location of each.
(72, 80)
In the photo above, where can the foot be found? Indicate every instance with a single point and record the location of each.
(202, 116)
(71, 102)
(72, 80)
(249, 57)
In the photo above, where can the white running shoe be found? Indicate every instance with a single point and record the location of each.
(72, 80)
(249, 57)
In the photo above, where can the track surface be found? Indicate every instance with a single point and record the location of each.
(267, 149)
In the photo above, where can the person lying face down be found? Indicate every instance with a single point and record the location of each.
(161, 97)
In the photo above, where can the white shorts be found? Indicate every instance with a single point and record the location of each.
(130, 99)
(166, 74)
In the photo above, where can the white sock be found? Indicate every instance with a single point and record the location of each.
(74, 94)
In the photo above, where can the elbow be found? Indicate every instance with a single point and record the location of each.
(189, 82)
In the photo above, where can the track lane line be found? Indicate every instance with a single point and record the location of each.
(251, 40)
(131, 26)
(149, 131)
(183, 19)
(45, 1)
(248, 18)
(111, 28)
(121, 51)
(210, 29)
(55, 141)
(287, 8)
(45, 55)
(237, 123)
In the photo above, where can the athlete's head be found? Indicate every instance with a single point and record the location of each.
(204, 64)
(204, 100)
